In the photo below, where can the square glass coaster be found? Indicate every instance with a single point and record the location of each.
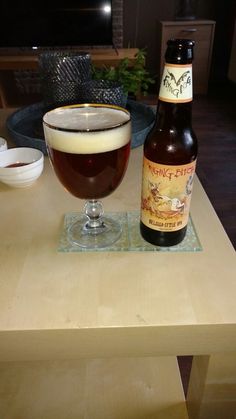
(131, 239)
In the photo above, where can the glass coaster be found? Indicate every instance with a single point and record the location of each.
(131, 239)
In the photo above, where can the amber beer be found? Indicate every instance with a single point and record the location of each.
(170, 152)
(91, 156)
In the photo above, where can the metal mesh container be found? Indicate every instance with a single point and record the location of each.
(102, 91)
(61, 74)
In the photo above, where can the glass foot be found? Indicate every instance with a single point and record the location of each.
(103, 235)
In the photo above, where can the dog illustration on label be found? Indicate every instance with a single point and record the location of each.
(161, 205)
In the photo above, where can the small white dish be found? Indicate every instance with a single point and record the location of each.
(3, 144)
(26, 165)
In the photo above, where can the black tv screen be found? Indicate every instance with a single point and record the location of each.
(47, 23)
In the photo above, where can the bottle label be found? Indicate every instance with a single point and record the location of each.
(166, 195)
(176, 84)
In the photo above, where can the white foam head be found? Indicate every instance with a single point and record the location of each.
(87, 128)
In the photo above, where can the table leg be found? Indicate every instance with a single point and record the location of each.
(212, 387)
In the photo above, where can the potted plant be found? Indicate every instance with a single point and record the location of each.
(134, 78)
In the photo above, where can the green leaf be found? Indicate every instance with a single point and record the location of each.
(132, 76)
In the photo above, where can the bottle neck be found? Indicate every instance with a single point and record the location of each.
(174, 115)
(175, 96)
(176, 83)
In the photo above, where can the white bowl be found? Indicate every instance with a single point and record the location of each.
(3, 144)
(22, 176)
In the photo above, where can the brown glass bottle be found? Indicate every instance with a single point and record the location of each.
(170, 152)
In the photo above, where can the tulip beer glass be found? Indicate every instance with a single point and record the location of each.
(89, 146)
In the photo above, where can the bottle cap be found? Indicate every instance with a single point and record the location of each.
(179, 51)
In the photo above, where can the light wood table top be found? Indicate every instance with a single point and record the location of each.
(65, 305)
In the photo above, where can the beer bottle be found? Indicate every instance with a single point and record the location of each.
(170, 152)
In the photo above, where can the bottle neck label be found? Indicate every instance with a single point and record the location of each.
(166, 195)
(176, 84)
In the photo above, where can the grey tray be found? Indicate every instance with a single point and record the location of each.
(26, 130)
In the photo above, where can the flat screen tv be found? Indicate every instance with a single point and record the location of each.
(55, 23)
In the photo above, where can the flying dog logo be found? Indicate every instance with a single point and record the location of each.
(177, 86)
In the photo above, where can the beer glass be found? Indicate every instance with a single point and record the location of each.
(89, 146)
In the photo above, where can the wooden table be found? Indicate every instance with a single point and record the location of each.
(96, 335)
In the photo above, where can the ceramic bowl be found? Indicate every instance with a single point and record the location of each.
(26, 165)
(3, 144)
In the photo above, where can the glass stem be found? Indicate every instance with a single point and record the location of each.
(94, 212)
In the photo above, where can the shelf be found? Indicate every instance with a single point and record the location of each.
(111, 388)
